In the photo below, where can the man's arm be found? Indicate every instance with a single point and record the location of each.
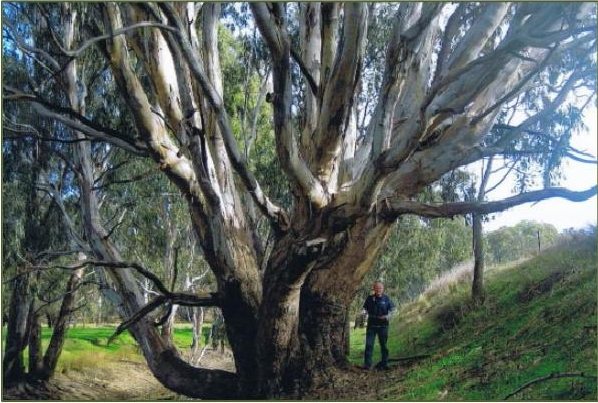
(392, 309)
(365, 307)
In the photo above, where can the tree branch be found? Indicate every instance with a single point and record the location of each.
(77, 52)
(76, 121)
(554, 375)
(179, 298)
(276, 214)
(271, 24)
(184, 299)
(571, 152)
(339, 95)
(391, 208)
(305, 71)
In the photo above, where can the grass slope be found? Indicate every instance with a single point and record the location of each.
(534, 337)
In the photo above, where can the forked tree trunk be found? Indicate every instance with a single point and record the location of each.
(305, 337)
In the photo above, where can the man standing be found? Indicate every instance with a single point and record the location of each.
(378, 307)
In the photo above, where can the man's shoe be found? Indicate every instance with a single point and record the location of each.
(365, 367)
(381, 367)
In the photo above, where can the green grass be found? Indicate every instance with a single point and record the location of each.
(538, 320)
(84, 347)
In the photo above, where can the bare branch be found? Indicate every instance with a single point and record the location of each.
(141, 313)
(77, 52)
(391, 208)
(554, 375)
(504, 177)
(584, 157)
(21, 44)
(179, 298)
(276, 214)
(310, 80)
(134, 178)
(71, 227)
(270, 21)
(76, 121)
(571, 152)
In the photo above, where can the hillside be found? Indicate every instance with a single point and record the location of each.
(534, 338)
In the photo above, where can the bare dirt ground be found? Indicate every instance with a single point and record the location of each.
(120, 380)
(132, 381)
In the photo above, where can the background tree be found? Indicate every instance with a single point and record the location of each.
(512, 243)
(448, 73)
(35, 233)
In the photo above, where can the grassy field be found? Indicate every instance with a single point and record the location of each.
(534, 337)
(84, 347)
(536, 331)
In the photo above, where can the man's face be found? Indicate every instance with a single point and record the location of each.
(378, 289)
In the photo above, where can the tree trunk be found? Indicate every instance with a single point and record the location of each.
(477, 288)
(306, 334)
(60, 327)
(13, 366)
(197, 317)
(35, 343)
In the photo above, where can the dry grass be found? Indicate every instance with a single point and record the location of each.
(447, 281)
(462, 273)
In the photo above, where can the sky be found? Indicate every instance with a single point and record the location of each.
(561, 213)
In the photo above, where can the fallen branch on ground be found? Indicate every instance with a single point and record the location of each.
(410, 358)
(553, 375)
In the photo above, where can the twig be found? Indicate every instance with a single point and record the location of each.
(553, 375)
(413, 357)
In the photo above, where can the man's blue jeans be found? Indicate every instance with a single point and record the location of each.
(370, 338)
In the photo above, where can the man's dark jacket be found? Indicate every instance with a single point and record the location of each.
(377, 306)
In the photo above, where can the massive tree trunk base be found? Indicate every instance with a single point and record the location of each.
(300, 379)
(320, 349)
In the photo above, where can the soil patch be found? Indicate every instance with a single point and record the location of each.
(531, 291)
(355, 384)
(114, 381)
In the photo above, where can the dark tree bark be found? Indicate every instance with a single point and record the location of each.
(54, 348)
(35, 345)
(13, 366)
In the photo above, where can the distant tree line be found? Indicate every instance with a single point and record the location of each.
(441, 244)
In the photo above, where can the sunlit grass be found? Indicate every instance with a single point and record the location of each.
(87, 347)
(538, 319)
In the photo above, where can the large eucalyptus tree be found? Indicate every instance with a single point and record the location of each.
(446, 73)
